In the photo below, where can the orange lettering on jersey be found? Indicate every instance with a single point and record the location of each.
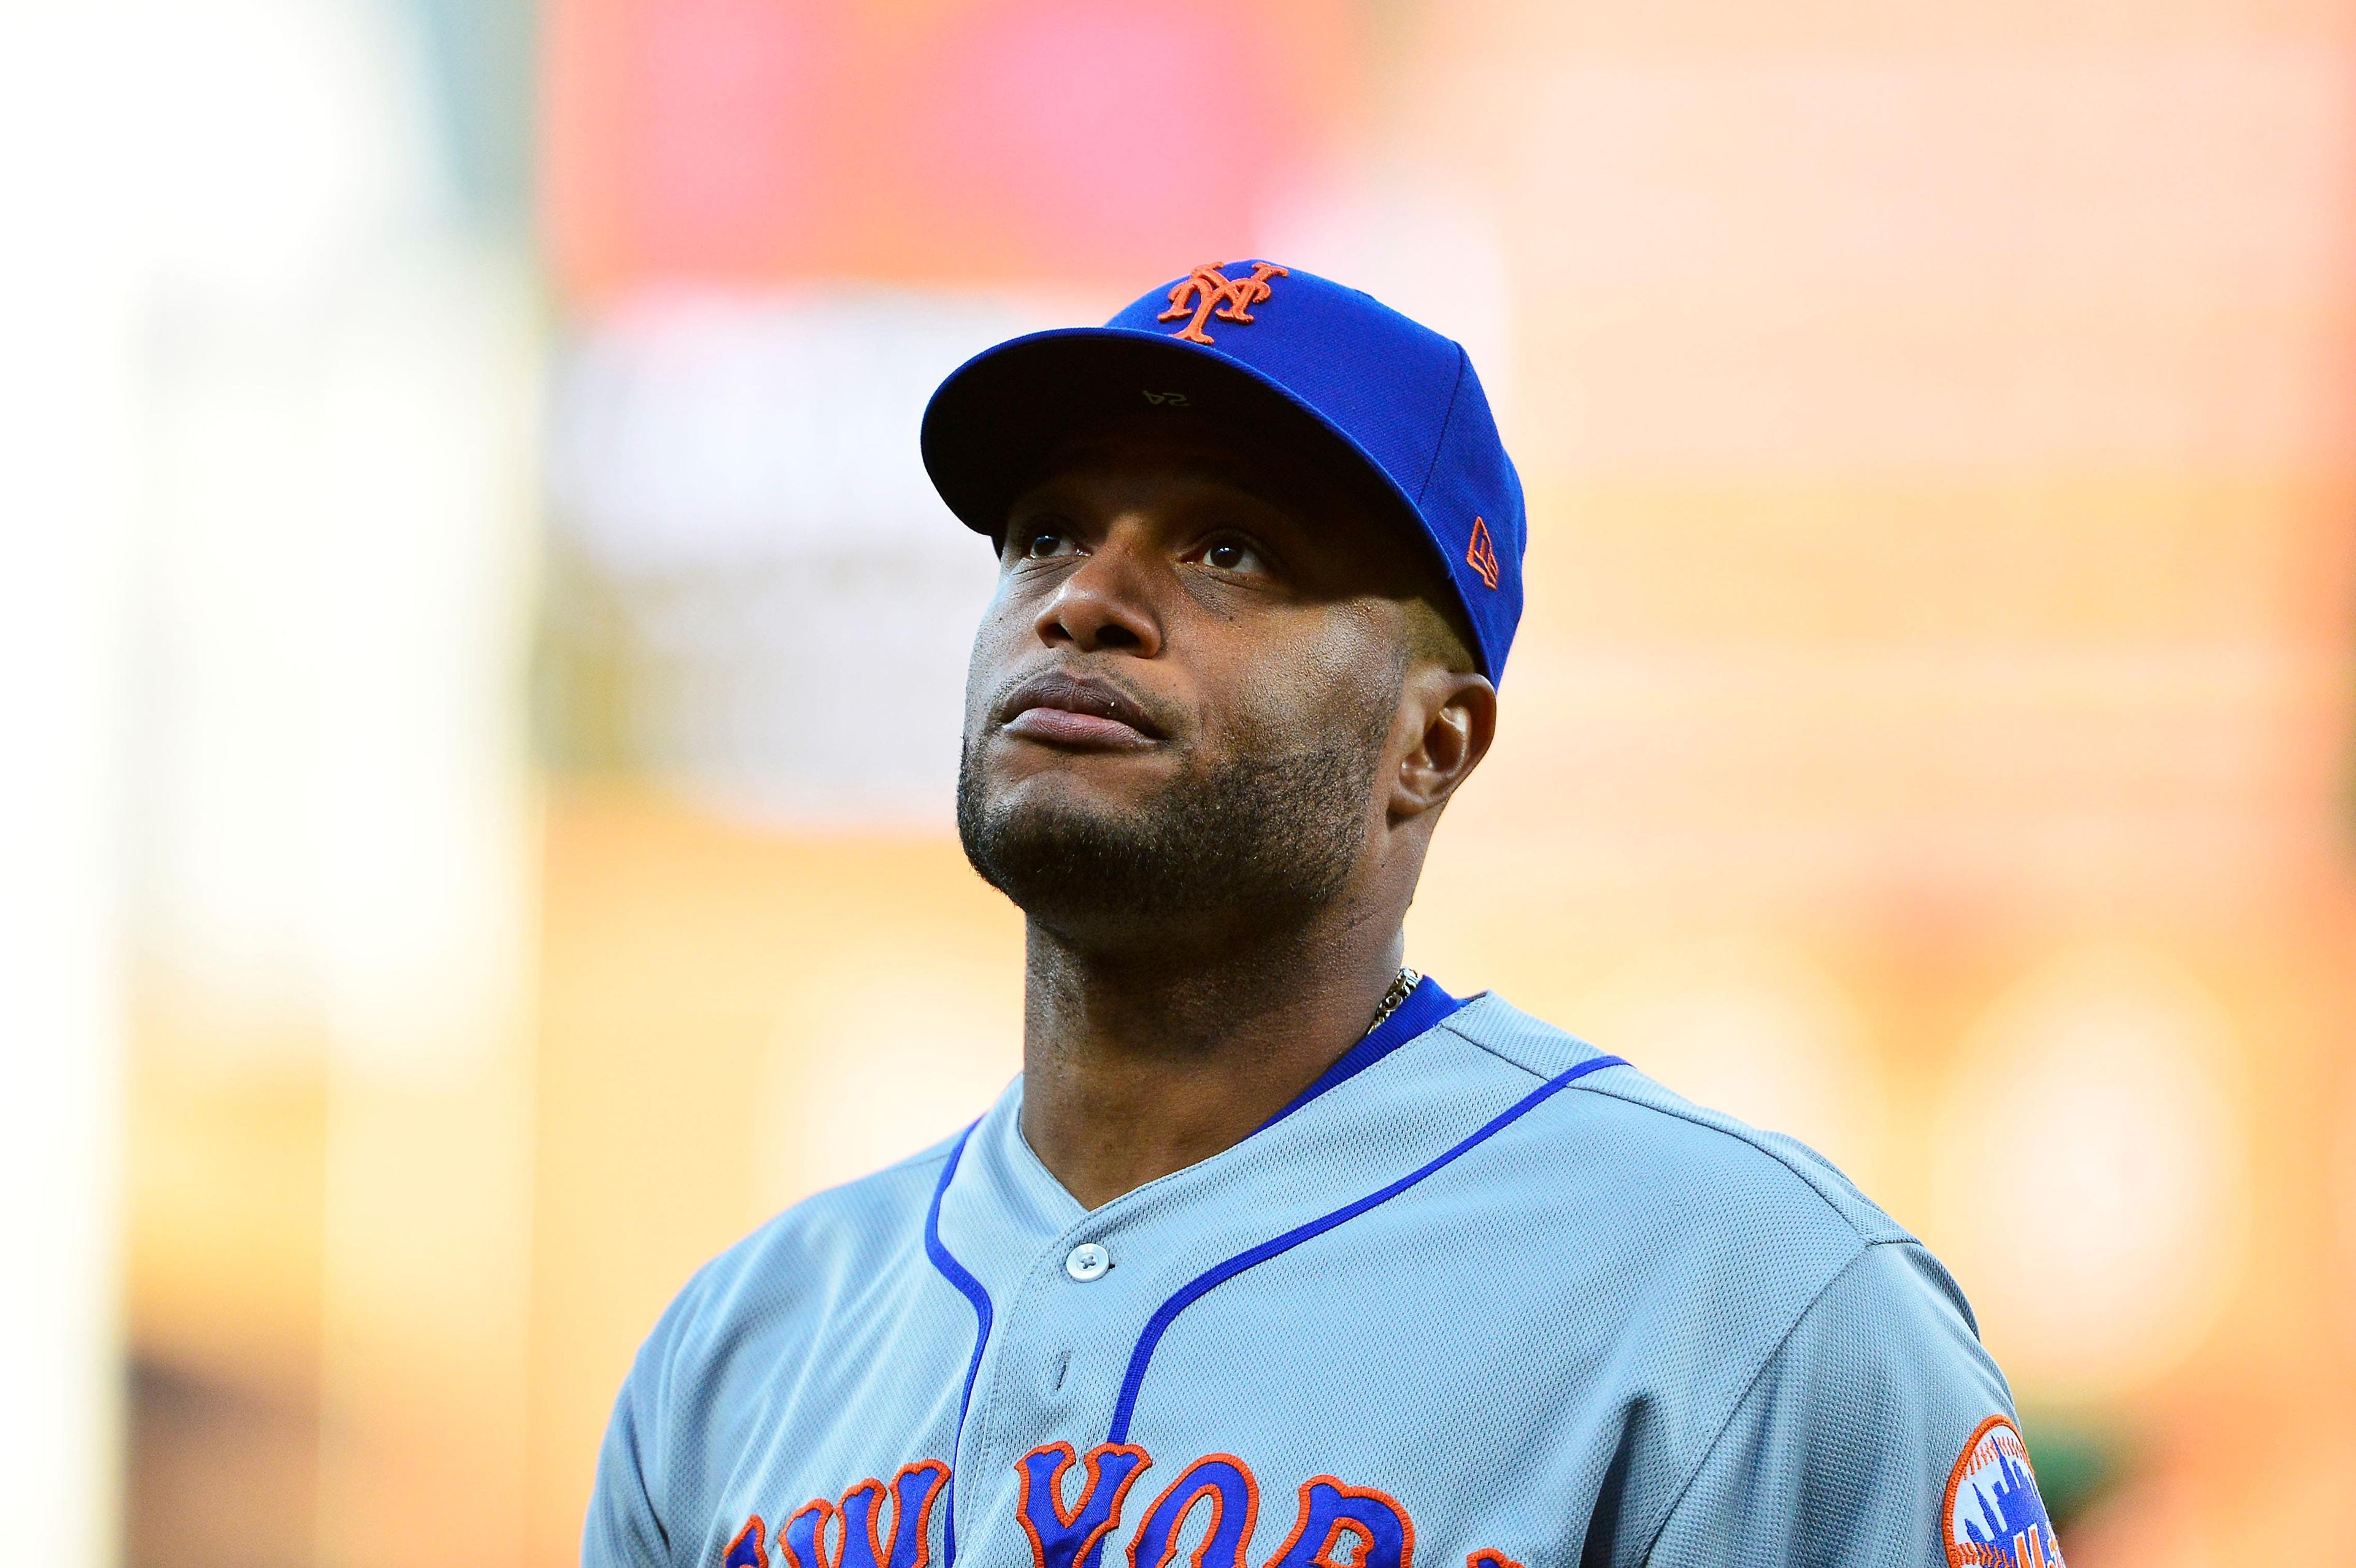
(912, 1492)
(1379, 1533)
(1234, 1495)
(802, 1538)
(1074, 1537)
(746, 1551)
(861, 1542)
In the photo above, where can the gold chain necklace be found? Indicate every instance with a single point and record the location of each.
(1401, 989)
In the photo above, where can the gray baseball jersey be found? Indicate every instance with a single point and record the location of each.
(1482, 1296)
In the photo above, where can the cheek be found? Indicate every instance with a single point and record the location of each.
(1309, 684)
(993, 644)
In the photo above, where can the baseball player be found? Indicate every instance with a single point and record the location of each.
(1278, 1254)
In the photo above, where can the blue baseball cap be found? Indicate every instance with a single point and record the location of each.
(1305, 362)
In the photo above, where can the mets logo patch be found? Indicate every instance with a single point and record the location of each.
(1993, 1517)
(1207, 286)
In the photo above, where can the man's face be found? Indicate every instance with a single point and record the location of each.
(1185, 690)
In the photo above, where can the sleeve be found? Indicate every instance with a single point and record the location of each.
(1879, 1431)
(624, 1528)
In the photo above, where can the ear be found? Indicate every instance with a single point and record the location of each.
(1451, 716)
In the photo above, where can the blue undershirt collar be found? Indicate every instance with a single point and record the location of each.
(1424, 1006)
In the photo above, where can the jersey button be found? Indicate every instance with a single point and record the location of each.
(1087, 1262)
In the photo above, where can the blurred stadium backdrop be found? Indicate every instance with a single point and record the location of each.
(486, 660)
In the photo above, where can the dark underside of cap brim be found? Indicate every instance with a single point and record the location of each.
(990, 427)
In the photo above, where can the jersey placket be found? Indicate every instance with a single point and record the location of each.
(1064, 1329)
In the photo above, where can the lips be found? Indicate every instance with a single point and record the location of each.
(1072, 710)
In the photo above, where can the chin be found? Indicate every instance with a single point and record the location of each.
(1078, 840)
(1068, 844)
(1094, 784)
(1064, 858)
(1054, 814)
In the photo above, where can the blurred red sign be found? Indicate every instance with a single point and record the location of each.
(953, 141)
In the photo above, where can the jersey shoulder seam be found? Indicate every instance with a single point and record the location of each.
(1592, 1084)
(1449, 1025)
(1775, 1353)
(1806, 1178)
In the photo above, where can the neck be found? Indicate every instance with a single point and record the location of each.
(1146, 1059)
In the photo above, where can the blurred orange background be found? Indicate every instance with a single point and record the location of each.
(539, 658)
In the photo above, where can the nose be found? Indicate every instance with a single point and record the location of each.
(1104, 604)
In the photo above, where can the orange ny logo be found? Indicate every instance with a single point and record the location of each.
(1483, 555)
(1235, 297)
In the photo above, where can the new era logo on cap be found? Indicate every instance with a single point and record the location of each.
(1482, 556)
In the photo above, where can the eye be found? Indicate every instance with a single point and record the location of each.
(1231, 554)
(1042, 541)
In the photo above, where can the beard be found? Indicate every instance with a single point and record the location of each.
(1255, 843)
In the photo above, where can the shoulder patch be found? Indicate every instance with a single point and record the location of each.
(1993, 1515)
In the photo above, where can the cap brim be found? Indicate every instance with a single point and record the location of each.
(991, 426)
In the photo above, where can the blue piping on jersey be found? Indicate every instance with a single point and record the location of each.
(1211, 1279)
(1425, 1006)
(957, 1275)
